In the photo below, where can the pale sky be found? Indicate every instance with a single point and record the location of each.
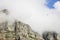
(40, 15)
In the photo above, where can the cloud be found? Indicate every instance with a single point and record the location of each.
(57, 5)
(34, 13)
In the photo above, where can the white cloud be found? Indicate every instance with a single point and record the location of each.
(34, 13)
(57, 6)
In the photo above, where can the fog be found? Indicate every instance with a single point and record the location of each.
(34, 13)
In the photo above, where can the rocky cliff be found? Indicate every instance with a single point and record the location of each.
(18, 30)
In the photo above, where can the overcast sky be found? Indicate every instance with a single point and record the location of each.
(41, 15)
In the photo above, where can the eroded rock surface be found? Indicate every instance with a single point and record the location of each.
(17, 31)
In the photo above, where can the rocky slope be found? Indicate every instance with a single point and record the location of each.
(17, 30)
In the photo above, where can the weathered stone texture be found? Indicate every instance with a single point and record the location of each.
(17, 31)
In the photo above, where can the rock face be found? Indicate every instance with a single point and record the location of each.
(51, 36)
(17, 31)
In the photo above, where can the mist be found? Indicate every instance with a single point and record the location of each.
(35, 13)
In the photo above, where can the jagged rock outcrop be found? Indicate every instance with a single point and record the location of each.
(51, 35)
(17, 31)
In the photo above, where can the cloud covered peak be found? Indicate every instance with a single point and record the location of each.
(34, 13)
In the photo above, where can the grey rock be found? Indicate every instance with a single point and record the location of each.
(51, 36)
(17, 31)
